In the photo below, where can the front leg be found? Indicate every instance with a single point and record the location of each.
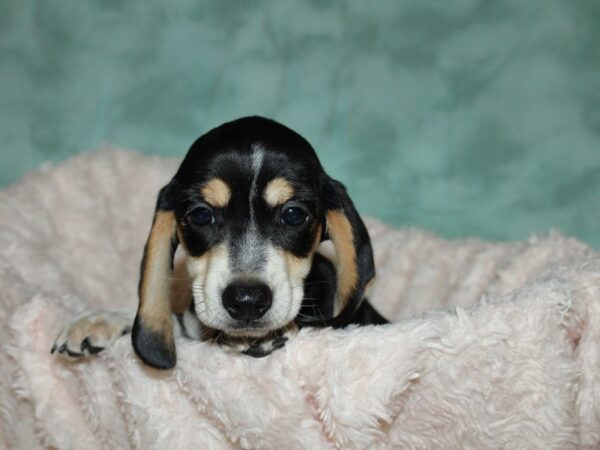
(91, 332)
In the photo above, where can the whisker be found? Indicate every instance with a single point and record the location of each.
(305, 316)
(318, 314)
(313, 320)
(206, 333)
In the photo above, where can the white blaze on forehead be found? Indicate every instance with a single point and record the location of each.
(249, 248)
(258, 154)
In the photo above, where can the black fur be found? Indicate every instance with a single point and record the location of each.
(336, 197)
(151, 348)
(226, 153)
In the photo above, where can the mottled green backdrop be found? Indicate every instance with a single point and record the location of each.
(470, 118)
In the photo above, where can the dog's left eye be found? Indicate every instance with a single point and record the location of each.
(293, 216)
(201, 216)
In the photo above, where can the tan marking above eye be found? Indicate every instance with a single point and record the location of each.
(216, 193)
(278, 191)
(340, 231)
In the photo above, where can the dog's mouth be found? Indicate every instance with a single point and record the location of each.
(254, 329)
(251, 329)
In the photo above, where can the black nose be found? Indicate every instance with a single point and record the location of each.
(247, 300)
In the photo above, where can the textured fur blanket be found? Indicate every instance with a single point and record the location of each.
(495, 345)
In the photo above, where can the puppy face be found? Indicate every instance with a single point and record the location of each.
(250, 224)
(250, 204)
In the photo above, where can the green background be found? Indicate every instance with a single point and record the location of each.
(469, 118)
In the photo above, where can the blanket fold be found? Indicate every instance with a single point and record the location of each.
(495, 345)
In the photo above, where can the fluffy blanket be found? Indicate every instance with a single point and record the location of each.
(496, 345)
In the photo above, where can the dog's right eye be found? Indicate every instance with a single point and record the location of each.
(201, 216)
(293, 216)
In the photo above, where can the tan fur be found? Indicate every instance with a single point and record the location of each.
(216, 193)
(197, 267)
(154, 310)
(299, 267)
(101, 328)
(278, 191)
(340, 231)
(180, 284)
(317, 241)
(370, 283)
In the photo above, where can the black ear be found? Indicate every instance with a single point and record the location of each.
(354, 255)
(152, 334)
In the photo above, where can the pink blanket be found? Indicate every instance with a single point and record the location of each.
(497, 345)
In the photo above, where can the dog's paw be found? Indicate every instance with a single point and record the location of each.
(90, 333)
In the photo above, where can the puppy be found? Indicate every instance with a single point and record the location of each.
(249, 206)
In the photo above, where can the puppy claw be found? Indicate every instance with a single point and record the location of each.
(92, 349)
(90, 333)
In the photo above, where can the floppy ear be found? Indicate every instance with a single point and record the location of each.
(152, 334)
(354, 266)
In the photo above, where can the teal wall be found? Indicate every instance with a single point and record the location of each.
(470, 118)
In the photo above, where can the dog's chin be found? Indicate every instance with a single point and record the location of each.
(250, 330)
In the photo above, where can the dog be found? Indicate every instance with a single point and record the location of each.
(249, 206)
